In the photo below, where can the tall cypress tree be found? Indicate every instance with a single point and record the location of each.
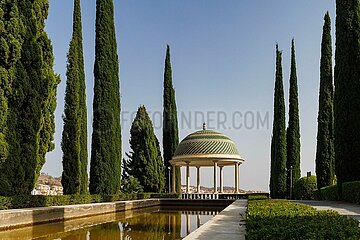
(170, 123)
(74, 138)
(347, 91)
(31, 106)
(278, 141)
(293, 130)
(146, 163)
(325, 165)
(105, 165)
(10, 47)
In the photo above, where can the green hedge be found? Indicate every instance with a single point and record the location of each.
(28, 201)
(304, 188)
(351, 192)
(282, 219)
(329, 193)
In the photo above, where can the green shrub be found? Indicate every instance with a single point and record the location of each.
(329, 193)
(304, 188)
(131, 185)
(257, 197)
(282, 219)
(351, 192)
(28, 201)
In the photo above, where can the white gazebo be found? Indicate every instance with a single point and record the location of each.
(206, 148)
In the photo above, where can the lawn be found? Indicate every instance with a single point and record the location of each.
(282, 219)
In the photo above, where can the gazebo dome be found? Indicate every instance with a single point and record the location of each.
(203, 147)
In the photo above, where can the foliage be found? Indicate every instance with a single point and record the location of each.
(74, 137)
(27, 96)
(347, 91)
(305, 187)
(329, 193)
(145, 161)
(27, 201)
(351, 192)
(278, 141)
(282, 219)
(105, 163)
(293, 130)
(131, 185)
(170, 123)
(325, 162)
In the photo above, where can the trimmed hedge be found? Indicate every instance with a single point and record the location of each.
(304, 188)
(28, 201)
(282, 219)
(351, 192)
(329, 193)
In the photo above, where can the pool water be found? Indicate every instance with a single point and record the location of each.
(149, 223)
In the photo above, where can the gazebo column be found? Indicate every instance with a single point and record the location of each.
(221, 179)
(236, 178)
(215, 176)
(198, 179)
(187, 177)
(173, 178)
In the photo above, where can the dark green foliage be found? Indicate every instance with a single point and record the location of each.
(170, 123)
(105, 165)
(282, 219)
(30, 94)
(329, 193)
(347, 91)
(293, 130)
(305, 188)
(131, 185)
(351, 192)
(278, 141)
(325, 162)
(11, 30)
(74, 137)
(145, 161)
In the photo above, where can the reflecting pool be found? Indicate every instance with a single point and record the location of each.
(148, 223)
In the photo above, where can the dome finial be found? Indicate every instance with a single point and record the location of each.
(204, 126)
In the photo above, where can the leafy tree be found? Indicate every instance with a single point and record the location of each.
(11, 30)
(145, 161)
(30, 88)
(293, 130)
(105, 164)
(347, 91)
(131, 184)
(170, 123)
(74, 137)
(278, 141)
(325, 166)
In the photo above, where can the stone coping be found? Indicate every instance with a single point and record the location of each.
(16, 218)
(228, 224)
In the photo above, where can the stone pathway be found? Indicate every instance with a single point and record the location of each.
(229, 224)
(347, 209)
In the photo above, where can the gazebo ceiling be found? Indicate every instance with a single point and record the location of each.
(203, 147)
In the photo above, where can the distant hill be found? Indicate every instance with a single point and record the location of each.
(46, 179)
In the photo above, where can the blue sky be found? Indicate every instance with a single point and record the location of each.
(223, 60)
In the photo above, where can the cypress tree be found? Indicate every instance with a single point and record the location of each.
(347, 91)
(170, 123)
(105, 164)
(31, 106)
(278, 141)
(293, 130)
(145, 161)
(325, 165)
(74, 138)
(10, 47)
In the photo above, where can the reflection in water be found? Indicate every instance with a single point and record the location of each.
(149, 223)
